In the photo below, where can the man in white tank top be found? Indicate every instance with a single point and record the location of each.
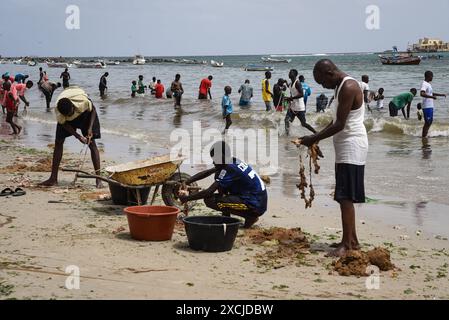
(297, 106)
(350, 143)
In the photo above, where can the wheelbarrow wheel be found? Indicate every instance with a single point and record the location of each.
(170, 191)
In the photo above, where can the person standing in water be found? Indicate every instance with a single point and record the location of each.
(65, 76)
(227, 109)
(306, 88)
(177, 90)
(159, 89)
(366, 91)
(402, 101)
(267, 94)
(103, 85)
(297, 107)
(41, 77)
(11, 102)
(428, 102)
(350, 143)
(74, 110)
(48, 88)
(140, 86)
(246, 94)
(205, 86)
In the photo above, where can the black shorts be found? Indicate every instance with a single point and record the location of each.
(393, 109)
(202, 96)
(291, 115)
(237, 203)
(350, 183)
(82, 123)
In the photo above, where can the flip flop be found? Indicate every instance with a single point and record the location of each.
(19, 192)
(6, 192)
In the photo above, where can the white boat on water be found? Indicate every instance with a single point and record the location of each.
(216, 64)
(2, 61)
(90, 65)
(255, 67)
(276, 60)
(139, 60)
(32, 63)
(58, 64)
(111, 63)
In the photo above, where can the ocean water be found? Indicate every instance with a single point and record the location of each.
(400, 168)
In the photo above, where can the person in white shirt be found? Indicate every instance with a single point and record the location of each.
(428, 101)
(297, 106)
(366, 91)
(350, 144)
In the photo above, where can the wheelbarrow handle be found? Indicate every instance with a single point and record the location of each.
(87, 175)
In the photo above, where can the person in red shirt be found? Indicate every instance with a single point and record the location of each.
(11, 101)
(205, 86)
(159, 89)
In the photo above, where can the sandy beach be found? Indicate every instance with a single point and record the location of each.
(47, 230)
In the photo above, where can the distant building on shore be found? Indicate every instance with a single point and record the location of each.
(430, 45)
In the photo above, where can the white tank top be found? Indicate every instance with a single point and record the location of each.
(296, 104)
(351, 144)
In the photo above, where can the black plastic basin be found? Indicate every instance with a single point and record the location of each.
(127, 197)
(211, 234)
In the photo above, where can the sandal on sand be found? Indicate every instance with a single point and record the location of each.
(19, 192)
(6, 192)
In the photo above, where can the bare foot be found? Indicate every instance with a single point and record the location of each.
(48, 183)
(337, 245)
(337, 253)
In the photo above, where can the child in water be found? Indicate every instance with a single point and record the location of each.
(141, 86)
(134, 89)
(226, 105)
(379, 98)
(420, 113)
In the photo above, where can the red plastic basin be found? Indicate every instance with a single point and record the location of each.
(151, 223)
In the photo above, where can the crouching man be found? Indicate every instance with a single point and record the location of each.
(237, 190)
(74, 110)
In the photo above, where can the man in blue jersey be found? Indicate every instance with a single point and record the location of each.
(237, 188)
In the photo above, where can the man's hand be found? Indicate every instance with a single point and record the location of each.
(434, 98)
(82, 139)
(27, 104)
(183, 198)
(308, 141)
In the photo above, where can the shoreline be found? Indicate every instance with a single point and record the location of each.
(37, 246)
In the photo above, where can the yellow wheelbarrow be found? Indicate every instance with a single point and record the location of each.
(131, 183)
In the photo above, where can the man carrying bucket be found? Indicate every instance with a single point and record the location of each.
(241, 192)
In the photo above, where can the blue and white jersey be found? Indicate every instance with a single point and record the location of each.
(241, 180)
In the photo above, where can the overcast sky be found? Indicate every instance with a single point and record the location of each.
(212, 27)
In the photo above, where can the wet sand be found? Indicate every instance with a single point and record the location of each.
(38, 245)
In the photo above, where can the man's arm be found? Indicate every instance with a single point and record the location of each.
(345, 102)
(24, 100)
(439, 95)
(182, 89)
(73, 132)
(210, 95)
(425, 95)
(365, 96)
(202, 194)
(202, 175)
